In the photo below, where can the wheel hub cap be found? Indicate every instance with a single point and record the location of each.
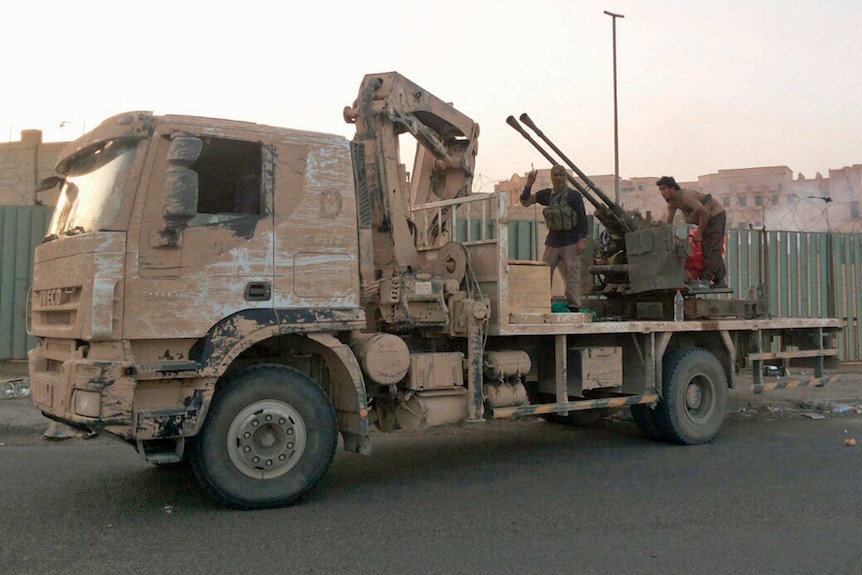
(693, 396)
(266, 439)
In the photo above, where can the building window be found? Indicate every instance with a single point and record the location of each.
(854, 210)
(774, 200)
(725, 201)
(758, 200)
(791, 199)
(742, 201)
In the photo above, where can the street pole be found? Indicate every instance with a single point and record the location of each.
(616, 128)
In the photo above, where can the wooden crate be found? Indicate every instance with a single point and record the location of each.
(529, 287)
(599, 367)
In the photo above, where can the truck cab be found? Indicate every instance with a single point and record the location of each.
(170, 255)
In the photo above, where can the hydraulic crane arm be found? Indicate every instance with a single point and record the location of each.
(388, 105)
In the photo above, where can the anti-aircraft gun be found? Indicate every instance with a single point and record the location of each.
(636, 256)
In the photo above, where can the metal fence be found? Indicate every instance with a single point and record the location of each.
(806, 274)
(21, 230)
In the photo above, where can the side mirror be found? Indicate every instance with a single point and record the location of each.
(179, 197)
(50, 183)
(180, 193)
(185, 150)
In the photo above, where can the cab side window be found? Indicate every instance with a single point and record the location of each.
(229, 181)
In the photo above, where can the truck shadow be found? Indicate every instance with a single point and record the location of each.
(476, 455)
(469, 458)
(465, 456)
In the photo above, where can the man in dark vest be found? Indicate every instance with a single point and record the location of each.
(567, 230)
(708, 214)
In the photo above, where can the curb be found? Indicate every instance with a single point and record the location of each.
(20, 417)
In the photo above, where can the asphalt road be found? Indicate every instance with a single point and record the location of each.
(775, 493)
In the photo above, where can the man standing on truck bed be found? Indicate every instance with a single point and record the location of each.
(708, 214)
(567, 230)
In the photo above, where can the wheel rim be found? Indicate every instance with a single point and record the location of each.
(699, 399)
(266, 439)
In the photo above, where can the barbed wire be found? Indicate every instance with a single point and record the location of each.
(809, 214)
(485, 184)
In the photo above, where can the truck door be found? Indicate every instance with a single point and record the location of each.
(316, 245)
(222, 262)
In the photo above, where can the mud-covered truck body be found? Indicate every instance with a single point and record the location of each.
(237, 295)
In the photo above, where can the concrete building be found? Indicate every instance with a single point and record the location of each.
(758, 197)
(638, 194)
(747, 193)
(845, 189)
(768, 196)
(23, 165)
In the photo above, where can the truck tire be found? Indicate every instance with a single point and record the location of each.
(269, 437)
(694, 397)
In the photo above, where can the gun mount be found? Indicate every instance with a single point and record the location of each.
(633, 256)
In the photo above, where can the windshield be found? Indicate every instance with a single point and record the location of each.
(93, 189)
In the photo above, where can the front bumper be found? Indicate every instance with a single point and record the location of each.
(95, 395)
(114, 396)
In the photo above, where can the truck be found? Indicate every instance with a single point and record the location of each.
(239, 297)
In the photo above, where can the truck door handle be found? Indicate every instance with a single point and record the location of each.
(258, 291)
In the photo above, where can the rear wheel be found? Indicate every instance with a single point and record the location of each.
(694, 397)
(269, 437)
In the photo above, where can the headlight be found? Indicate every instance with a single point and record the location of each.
(88, 403)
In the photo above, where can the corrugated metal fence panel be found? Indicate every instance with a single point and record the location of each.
(527, 243)
(743, 260)
(807, 274)
(523, 243)
(794, 266)
(21, 230)
(857, 294)
(847, 287)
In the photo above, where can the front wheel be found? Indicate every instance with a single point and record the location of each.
(694, 397)
(269, 437)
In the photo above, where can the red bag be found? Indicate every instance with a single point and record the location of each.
(694, 262)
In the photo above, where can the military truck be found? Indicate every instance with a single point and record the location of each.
(236, 296)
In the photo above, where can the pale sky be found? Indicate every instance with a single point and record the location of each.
(702, 86)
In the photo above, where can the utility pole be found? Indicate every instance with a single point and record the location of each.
(616, 128)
